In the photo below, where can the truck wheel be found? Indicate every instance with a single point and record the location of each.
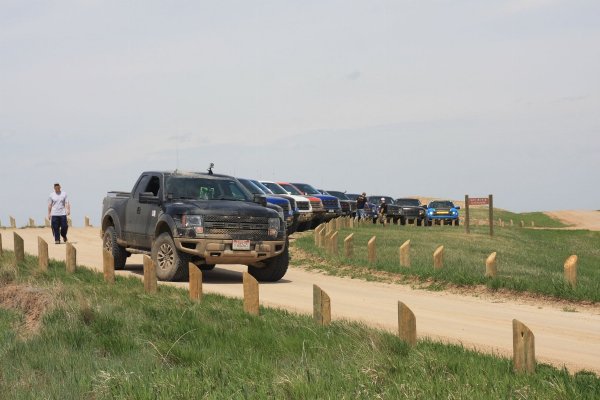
(274, 269)
(170, 264)
(457, 222)
(402, 220)
(109, 243)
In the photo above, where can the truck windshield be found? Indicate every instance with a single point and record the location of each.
(441, 204)
(306, 188)
(263, 187)
(291, 189)
(252, 188)
(339, 195)
(408, 202)
(195, 188)
(275, 188)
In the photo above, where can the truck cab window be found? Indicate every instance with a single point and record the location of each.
(153, 186)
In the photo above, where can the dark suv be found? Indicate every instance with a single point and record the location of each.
(393, 211)
(411, 211)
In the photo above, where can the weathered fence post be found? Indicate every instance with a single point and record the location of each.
(31, 223)
(71, 258)
(438, 258)
(69, 221)
(405, 254)
(251, 302)
(13, 223)
(523, 348)
(46, 222)
(19, 247)
(317, 234)
(42, 254)
(522, 224)
(323, 237)
(570, 268)
(372, 251)
(407, 324)
(512, 223)
(349, 245)
(351, 223)
(532, 223)
(108, 266)
(334, 243)
(321, 306)
(195, 282)
(490, 266)
(86, 221)
(150, 279)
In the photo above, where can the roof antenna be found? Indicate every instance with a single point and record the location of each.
(210, 168)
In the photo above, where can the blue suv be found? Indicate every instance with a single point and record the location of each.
(442, 210)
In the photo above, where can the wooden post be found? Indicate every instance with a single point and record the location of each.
(46, 222)
(522, 224)
(31, 223)
(334, 243)
(532, 223)
(438, 258)
(323, 238)
(351, 223)
(150, 279)
(491, 207)
(512, 223)
(86, 221)
(13, 223)
(71, 258)
(372, 251)
(490, 266)
(570, 268)
(195, 282)
(69, 221)
(523, 348)
(108, 266)
(405, 254)
(42, 254)
(317, 234)
(467, 229)
(251, 302)
(19, 247)
(349, 246)
(321, 306)
(407, 324)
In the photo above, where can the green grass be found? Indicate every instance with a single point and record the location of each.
(114, 341)
(539, 219)
(528, 260)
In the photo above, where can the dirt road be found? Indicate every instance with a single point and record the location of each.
(562, 338)
(578, 219)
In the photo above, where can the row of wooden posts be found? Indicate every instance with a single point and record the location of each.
(523, 338)
(326, 236)
(31, 223)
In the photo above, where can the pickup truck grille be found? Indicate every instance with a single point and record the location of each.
(330, 204)
(345, 206)
(411, 212)
(251, 228)
(303, 205)
(393, 210)
(286, 208)
(316, 205)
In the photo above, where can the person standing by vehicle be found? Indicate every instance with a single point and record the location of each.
(361, 200)
(382, 211)
(58, 210)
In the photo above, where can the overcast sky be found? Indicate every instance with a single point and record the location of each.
(430, 98)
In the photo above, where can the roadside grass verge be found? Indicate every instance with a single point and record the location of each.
(114, 341)
(528, 260)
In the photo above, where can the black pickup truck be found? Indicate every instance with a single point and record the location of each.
(393, 211)
(207, 219)
(411, 210)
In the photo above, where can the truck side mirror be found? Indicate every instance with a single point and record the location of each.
(148, 197)
(260, 199)
(457, 207)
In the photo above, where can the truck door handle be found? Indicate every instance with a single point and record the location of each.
(139, 210)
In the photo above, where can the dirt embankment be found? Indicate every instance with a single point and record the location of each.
(577, 219)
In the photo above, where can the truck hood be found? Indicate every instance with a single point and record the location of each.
(220, 207)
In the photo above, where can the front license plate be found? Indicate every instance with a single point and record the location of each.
(241, 245)
(330, 211)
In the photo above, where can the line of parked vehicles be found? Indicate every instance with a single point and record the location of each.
(179, 218)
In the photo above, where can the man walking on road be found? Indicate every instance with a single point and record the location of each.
(58, 210)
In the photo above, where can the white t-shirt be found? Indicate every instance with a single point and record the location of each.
(58, 203)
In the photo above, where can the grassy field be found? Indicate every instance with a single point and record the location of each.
(99, 341)
(528, 260)
(539, 219)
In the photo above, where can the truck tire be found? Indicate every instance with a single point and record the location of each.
(171, 264)
(109, 243)
(402, 220)
(274, 269)
(456, 222)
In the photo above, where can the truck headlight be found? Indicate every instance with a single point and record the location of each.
(195, 222)
(274, 226)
